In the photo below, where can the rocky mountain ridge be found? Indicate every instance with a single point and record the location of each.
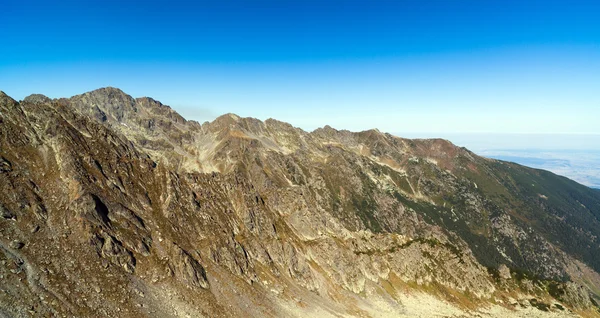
(118, 206)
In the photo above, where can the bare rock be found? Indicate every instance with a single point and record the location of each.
(187, 269)
(16, 244)
(5, 213)
(113, 250)
(5, 165)
(573, 295)
(37, 99)
(504, 272)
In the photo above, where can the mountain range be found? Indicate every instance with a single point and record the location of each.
(114, 206)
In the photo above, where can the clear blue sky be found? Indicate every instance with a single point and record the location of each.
(401, 66)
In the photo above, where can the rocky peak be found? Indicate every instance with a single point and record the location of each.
(110, 96)
(37, 99)
(107, 103)
(226, 121)
(232, 123)
(325, 130)
(157, 108)
(372, 136)
(109, 92)
(5, 99)
(271, 122)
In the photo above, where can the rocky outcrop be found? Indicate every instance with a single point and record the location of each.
(37, 99)
(187, 269)
(574, 295)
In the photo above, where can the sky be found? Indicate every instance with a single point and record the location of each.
(407, 67)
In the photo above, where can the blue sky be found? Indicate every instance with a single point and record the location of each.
(415, 67)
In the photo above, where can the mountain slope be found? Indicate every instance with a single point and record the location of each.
(115, 206)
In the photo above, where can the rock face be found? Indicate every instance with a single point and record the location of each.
(119, 207)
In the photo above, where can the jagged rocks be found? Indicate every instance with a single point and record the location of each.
(5, 165)
(5, 213)
(572, 294)
(112, 249)
(187, 269)
(37, 99)
(504, 272)
(16, 244)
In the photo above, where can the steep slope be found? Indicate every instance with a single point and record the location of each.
(115, 206)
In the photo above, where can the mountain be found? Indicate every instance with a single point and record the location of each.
(114, 206)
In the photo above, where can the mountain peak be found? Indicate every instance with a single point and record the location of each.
(110, 95)
(105, 103)
(108, 90)
(37, 99)
(4, 98)
(228, 118)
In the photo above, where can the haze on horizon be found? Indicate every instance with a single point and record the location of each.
(419, 67)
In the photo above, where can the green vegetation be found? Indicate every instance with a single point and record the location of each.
(481, 246)
(563, 211)
(365, 209)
